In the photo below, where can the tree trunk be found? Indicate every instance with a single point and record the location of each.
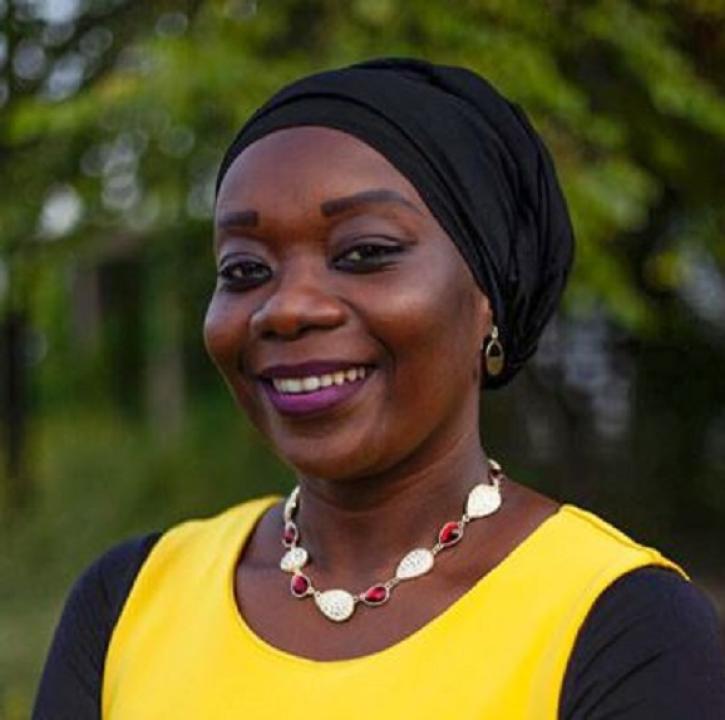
(14, 408)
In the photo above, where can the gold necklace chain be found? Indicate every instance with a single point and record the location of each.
(338, 605)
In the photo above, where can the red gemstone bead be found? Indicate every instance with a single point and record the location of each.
(450, 534)
(299, 585)
(376, 595)
(290, 534)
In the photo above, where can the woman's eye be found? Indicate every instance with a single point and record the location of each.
(368, 255)
(244, 274)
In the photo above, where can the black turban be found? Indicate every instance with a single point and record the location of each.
(477, 163)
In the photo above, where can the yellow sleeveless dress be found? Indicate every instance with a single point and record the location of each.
(499, 651)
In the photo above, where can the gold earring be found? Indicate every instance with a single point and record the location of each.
(494, 353)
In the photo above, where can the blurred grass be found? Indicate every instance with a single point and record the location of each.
(100, 478)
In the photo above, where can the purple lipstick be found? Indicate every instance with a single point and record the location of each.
(312, 387)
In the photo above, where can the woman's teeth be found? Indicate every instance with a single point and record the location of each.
(310, 383)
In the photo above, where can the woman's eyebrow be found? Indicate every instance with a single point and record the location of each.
(366, 197)
(250, 218)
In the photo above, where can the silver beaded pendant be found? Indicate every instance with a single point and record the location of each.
(416, 563)
(339, 605)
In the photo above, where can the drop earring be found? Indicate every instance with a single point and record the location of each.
(493, 353)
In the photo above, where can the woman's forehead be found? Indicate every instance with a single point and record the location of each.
(311, 161)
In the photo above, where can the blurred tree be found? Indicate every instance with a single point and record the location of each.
(115, 115)
(49, 52)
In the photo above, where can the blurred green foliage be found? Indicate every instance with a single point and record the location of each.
(628, 96)
(113, 117)
(104, 479)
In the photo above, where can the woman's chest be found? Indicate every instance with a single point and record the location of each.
(193, 655)
(296, 626)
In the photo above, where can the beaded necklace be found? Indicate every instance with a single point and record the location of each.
(338, 605)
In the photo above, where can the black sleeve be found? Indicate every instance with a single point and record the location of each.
(70, 687)
(649, 649)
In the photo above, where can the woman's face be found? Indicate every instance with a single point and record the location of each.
(329, 263)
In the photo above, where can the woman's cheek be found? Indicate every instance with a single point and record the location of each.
(419, 320)
(223, 337)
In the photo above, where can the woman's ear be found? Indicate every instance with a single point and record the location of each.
(484, 317)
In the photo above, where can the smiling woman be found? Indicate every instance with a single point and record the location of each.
(390, 239)
(342, 269)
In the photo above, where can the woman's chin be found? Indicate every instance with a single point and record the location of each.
(329, 464)
(352, 451)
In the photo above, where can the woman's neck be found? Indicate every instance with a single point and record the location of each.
(357, 529)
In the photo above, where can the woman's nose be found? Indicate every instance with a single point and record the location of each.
(300, 302)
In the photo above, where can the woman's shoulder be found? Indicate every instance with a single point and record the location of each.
(189, 542)
(72, 675)
(587, 545)
(73, 669)
(244, 513)
(649, 647)
(107, 581)
(587, 522)
(112, 573)
(649, 644)
(100, 590)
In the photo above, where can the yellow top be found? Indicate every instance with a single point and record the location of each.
(499, 651)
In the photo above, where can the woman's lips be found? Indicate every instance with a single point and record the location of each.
(315, 400)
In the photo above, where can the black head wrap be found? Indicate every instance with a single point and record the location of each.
(477, 163)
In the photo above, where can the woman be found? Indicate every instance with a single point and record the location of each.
(389, 239)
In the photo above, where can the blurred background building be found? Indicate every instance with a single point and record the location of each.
(113, 117)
